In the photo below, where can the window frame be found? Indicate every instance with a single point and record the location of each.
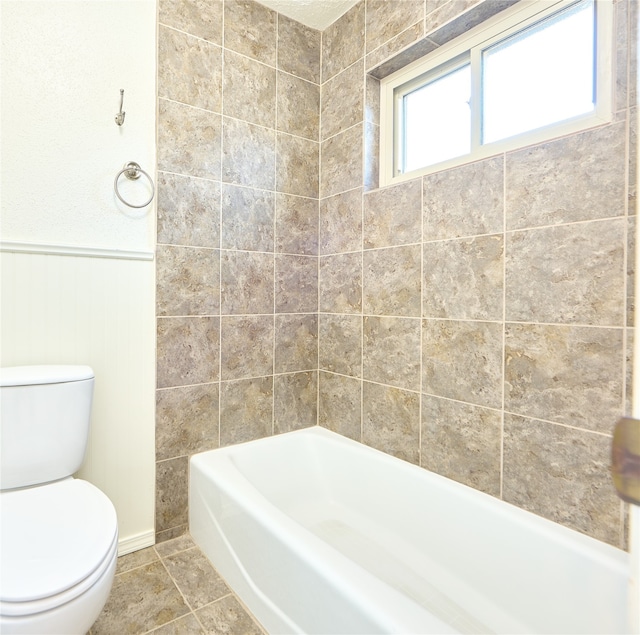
(471, 45)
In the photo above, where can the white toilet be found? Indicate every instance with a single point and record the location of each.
(58, 534)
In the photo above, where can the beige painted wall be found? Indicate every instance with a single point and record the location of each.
(63, 64)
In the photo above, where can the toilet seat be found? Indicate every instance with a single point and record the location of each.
(57, 541)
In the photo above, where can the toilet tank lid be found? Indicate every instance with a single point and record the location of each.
(44, 374)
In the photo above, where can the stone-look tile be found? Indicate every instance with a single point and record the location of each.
(372, 100)
(391, 351)
(227, 616)
(296, 345)
(633, 52)
(562, 474)
(451, 19)
(380, 65)
(249, 90)
(387, 18)
(136, 559)
(632, 194)
(249, 154)
(393, 215)
(464, 278)
(340, 344)
(569, 274)
(296, 284)
(464, 201)
(188, 281)
(188, 140)
(189, 70)
(628, 390)
(297, 162)
(296, 225)
(298, 107)
(341, 163)
(631, 270)
(250, 29)
(395, 53)
(340, 283)
(391, 421)
(621, 21)
(340, 404)
(462, 442)
(172, 493)
(391, 281)
(371, 157)
(246, 347)
(248, 218)
(186, 625)
(566, 374)
(463, 361)
(246, 410)
(186, 420)
(187, 350)
(343, 100)
(246, 282)
(132, 609)
(202, 18)
(195, 577)
(341, 223)
(188, 211)
(295, 401)
(171, 534)
(575, 178)
(299, 49)
(168, 548)
(343, 41)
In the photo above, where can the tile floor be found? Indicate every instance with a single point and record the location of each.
(172, 589)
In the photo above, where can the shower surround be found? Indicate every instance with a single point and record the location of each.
(476, 321)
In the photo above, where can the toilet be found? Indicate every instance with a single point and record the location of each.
(58, 534)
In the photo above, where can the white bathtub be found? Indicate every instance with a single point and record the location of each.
(319, 534)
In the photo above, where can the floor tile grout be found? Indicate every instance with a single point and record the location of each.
(121, 614)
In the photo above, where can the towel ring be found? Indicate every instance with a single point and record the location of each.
(133, 171)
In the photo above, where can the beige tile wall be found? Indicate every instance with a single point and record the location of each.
(237, 291)
(475, 321)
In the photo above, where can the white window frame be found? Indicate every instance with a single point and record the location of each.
(471, 44)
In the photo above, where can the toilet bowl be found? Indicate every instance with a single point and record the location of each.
(58, 538)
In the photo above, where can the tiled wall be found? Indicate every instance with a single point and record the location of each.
(237, 295)
(475, 321)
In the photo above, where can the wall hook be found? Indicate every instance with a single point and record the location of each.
(121, 114)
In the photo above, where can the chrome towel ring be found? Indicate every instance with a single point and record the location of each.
(133, 171)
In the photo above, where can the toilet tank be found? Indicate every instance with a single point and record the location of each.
(44, 422)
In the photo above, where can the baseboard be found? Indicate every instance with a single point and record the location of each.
(133, 543)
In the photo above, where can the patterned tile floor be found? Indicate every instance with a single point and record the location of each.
(172, 589)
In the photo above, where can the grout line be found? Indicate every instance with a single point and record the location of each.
(243, 121)
(423, 291)
(220, 229)
(275, 238)
(504, 322)
(222, 47)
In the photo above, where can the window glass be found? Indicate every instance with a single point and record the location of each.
(533, 72)
(437, 120)
(542, 75)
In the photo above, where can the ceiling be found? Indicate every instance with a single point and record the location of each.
(318, 14)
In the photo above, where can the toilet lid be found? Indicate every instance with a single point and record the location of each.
(52, 537)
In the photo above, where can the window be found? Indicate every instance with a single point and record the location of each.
(533, 72)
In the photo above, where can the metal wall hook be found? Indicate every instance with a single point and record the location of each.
(121, 114)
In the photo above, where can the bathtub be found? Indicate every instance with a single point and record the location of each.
(319, 534)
